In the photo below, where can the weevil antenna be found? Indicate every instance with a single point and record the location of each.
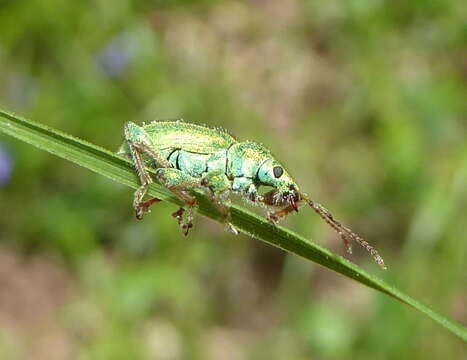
(345, 233)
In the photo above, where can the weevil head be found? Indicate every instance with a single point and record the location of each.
(286, 191)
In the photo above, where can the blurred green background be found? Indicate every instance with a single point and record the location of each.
(364, 101)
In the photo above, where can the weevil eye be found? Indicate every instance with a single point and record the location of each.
(278, 171)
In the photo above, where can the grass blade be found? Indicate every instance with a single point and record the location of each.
(109, 165)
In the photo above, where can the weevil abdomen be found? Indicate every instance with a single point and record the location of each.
(195, 164)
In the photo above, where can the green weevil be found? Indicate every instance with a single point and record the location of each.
(188, 156)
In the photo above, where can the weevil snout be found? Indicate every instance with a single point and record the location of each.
(291, 196)
(294, 198)
(287, 195)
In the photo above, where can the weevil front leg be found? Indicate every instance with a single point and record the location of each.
(139, 143)
(284, 208)
(278, 215)
(180, 184)
(247, 188)
(219, 187)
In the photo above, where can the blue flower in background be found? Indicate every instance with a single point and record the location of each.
(6, 164)
(115, 57)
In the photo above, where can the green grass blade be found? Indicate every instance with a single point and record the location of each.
(108, 164)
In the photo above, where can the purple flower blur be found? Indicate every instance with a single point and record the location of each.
(115, 57)
(6, 165)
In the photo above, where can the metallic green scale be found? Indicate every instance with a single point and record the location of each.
(201, 152)
(191, 148)
(189, 137)
(185, 146)
(189, 156)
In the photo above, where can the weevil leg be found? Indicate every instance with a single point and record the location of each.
(179, 216)
(343, 232)
(145, 179)
(282, 210)
(140, 143)
(219, 187)
(278, 215)
(221, 202)
(147, 204)
(180, 183)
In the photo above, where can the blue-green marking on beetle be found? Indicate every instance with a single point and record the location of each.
(189, 156)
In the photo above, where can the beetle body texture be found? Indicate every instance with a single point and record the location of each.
(189, 156)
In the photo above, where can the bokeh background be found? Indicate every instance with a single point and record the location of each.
(364, 101)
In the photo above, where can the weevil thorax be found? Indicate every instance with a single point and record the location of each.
(245, 159)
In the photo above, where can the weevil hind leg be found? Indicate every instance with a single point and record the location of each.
(139, 143)
(179, 184)
(145, 179)
(146, 205)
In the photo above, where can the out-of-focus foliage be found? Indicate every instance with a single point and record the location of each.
(365, 102)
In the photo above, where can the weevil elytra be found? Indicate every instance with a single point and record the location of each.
(188, 156)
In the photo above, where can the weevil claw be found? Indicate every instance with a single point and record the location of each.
(186, 228)
(185, 224)
(144, 208)
(179, 215)
(139, 214)
(232, 229)
(273, 218)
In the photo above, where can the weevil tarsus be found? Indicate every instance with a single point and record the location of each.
(189, 157)
(145, 207)
(185, 222)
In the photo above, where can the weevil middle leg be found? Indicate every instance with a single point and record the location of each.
(180, 184)
(219, 187)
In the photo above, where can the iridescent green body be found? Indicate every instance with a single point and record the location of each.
(202, 152)
(189, 156)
